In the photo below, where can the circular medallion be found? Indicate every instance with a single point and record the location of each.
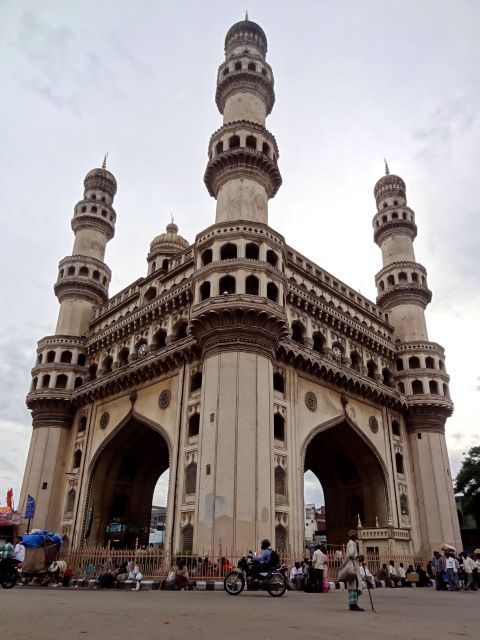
(373, 424)
(311, 400)
(104, 418)
(337, 353)
(164, 399)
(142, 349)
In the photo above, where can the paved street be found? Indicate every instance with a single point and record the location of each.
(48, 614)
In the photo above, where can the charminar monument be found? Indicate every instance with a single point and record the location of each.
(238, 364)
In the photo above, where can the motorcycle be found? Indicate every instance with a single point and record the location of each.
(8, 573)
(272, 580)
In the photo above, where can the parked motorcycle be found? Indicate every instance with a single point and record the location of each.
(8, 573)
(272, 580)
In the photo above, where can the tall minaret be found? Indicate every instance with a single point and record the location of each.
(420, 364)
(242, 172)
(82, 283)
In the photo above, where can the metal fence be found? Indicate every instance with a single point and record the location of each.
(155, 563)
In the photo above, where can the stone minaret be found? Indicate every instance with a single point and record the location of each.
(242, 172)
(238, 316)
(82, 283)
(420, 364)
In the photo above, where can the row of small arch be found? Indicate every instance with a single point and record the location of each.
(402, 279)
(251, 66)
(250, 143)
(228, 285)
(84, 272)
(94, 209)
(414, 363)
(419, 389)
(395, 216)
(66, 357)
(229, 251)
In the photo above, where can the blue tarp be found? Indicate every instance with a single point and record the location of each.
(39, 538)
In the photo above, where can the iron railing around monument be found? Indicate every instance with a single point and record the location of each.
(155, 563)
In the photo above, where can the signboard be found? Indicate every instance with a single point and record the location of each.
(30, 507)
(9, 518)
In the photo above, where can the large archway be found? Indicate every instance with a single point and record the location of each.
(123, 481)
(352, 477)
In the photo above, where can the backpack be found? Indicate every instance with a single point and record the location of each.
(274, 560)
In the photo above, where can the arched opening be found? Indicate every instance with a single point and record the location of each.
(227, 285)
(272, 258)
(45, 381)
(194, 425)
(433, 386)
(387, 376)
(445, 390)
(278, 427)
(61, 382)
(34, 384)
(280, 485)
(252, 251)
(399, 364)
(399, 463)
(429, 362)
(123, 356)
(381, 285)
(414, 362)
(191, 478)
(107, 364)
(207, 257)
(414, 276)
(234, 142)
(238, 66)
(272, 291)
(228, 251)
(123, 481)
(81, 360)
(266, 149)
(159, 339)
(351, 476)
(165, 264)
(251, 142)
(390, 280)
(78, 382)
(372, 369)
(318, 342)
(150, 294)
(196, 381)
(417, 386)
(252, 66)
(402, 277)
(401, 387)
(77, 459)
(356, 361)
(205, 290)
(298, 332)
(66, 357)
(51, 356)
(92, 371)
(396, 428)
(251, 285)
(71, 271)
(83, 272)
(219, 147)
(278, 382)
(179, 330)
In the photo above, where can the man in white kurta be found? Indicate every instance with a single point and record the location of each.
(354, 586)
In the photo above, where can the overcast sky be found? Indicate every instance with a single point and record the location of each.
(355, 81)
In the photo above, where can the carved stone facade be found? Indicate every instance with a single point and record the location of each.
(238, 364)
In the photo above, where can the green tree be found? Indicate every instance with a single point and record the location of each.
(468, 483)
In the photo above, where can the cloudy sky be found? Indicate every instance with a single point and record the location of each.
(355, 80)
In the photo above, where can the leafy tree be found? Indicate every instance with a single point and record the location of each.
(468, 483)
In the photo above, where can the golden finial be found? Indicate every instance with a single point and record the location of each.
(104, 163)
(387, 170)
(246, 15)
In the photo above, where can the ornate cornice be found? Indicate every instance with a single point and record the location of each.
(62, 341)
(253, 230)
(394, 227)
(81, 287)
(242, 162)
(324, 367)
(428, 413)
(401, 264)
(50, 410)
(408, 293)
(89, 220)
(238, 322)
(245, 81)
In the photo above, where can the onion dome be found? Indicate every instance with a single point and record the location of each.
(169, 242)
(390, 186)
(100, 179)
(246, 33)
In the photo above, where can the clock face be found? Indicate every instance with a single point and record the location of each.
(337, 353)
(142, 349)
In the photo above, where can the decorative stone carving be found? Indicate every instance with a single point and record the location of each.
(373, 424)
(164, 399)
(311, 401)
(104, 420)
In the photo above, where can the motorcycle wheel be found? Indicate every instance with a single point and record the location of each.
(234, 583)
(9, 580)
(276, 585)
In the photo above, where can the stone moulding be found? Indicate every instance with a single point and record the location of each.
(245, 81)
(392, 227)
(409, 293)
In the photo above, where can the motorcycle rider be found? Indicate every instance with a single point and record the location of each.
(262, 562)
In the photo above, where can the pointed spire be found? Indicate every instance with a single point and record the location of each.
(387, 170)
(171, 217)
(104, 163)
(359, 522)
(246, 15)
